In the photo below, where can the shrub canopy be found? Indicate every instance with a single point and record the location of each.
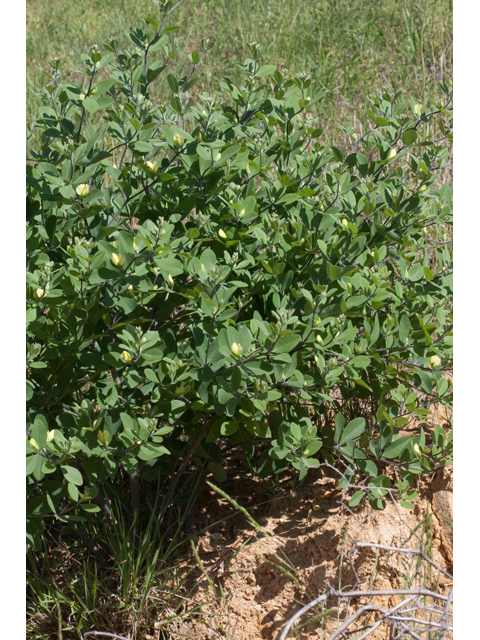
(211, 275)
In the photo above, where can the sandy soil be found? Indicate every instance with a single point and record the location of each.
(307, 542)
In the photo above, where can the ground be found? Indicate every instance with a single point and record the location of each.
(307, 543)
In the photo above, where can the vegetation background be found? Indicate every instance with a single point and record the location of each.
(349, 47)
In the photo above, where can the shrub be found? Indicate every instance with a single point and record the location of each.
(207, 276)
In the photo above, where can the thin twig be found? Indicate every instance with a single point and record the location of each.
(416, 551)
(103, 633)
(341, 595)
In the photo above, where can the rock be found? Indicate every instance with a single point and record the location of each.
(443, 504)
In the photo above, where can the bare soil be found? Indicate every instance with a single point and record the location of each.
(306, 543)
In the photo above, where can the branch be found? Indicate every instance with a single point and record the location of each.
(333, 593)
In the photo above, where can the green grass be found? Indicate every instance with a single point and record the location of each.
(350, 48)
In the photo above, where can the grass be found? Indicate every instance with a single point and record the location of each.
(350, 48)
(69, 591)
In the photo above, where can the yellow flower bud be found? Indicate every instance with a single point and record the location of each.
(117, 259)
(435, 361)
(152, 165)
(222, 234)
(315, 358)
(345, 222)
(247, 168)
(319, 339)
(93, 91)
(82, 190)
(178, 139)
(203, 267)
(103, 437)
(422, 188)
(317, 322)
(50, 435)
(34, 444)
(417, 109)
(217, 157)
(130, 288)
(170, 279)
(39, 293)
(392, 153)
(416, 450)
(199, 136)
(126, 357)
(236, 349)
(242, 213)
(204, 113)
(82, 96)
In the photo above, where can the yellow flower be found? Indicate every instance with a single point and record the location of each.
(417, 109)
(34, 444)
(204, 113)
(82, 96)
(242, 213)
(82, 190)
(392, 153)
(117, 259)
(217, 157)
(103, 436)
(423, 187)
(170, 279)
(345, 222)
(126, 357)
(222, 234)
(435, 361)
(317, 322)
(39, 293)
(178, 139)
(130, 287)
(236, 349)
(152, 165)
(247, 168)
(50, 435)
(416, 449)
(319, 339)
(199, 136)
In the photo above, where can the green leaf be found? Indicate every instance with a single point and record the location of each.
(73, 492)
(217, 471)
(266, 70)
(353, 429)
(356, 498)
(395, 449)
(285, 344)
(409, 137)
(89, 507)
(72, 475)
(90, 105)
